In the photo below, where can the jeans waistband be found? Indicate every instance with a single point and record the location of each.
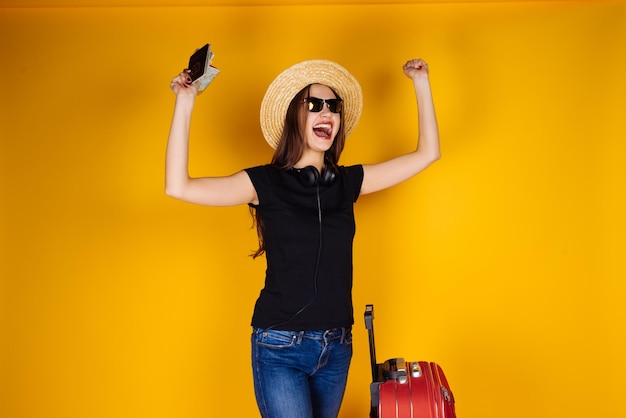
(327, 335)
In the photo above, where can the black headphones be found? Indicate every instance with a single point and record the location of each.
(310, 176)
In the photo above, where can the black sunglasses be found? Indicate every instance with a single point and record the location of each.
(315, 104)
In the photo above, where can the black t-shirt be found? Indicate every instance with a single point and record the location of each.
(309, 263)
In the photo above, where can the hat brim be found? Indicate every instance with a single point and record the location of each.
(288, 83)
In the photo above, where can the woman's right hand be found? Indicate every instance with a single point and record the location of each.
(182, 85)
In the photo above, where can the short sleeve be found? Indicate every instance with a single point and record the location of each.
(354, 179)
(261, 181)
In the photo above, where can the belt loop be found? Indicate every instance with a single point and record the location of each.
(299, 337)
(345, 331)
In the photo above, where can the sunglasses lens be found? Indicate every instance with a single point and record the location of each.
(315, 104)
(334, 105)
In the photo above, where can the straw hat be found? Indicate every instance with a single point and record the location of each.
(288, 83)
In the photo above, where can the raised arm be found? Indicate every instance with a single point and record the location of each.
(211, 191)
(391, 172)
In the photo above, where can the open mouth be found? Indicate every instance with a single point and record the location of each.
(323, 130)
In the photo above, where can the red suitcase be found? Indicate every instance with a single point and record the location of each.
(412, 389)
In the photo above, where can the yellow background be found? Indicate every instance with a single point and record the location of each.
(503, 262)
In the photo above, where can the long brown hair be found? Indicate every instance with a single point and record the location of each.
(291, 147)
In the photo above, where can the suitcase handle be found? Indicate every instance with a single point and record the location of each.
(369, 324)
(395, 369)
(376, 379)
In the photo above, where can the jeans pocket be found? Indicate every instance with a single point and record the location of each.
(275, 339)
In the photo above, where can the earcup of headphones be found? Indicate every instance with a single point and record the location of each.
(328, 176)
(309, 175)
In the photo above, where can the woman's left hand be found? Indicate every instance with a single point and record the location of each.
(415, 68)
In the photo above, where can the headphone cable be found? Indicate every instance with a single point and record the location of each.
(317, 263)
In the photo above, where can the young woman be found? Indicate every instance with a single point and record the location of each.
(303, 206)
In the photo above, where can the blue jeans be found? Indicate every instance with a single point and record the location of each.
(300, 374)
